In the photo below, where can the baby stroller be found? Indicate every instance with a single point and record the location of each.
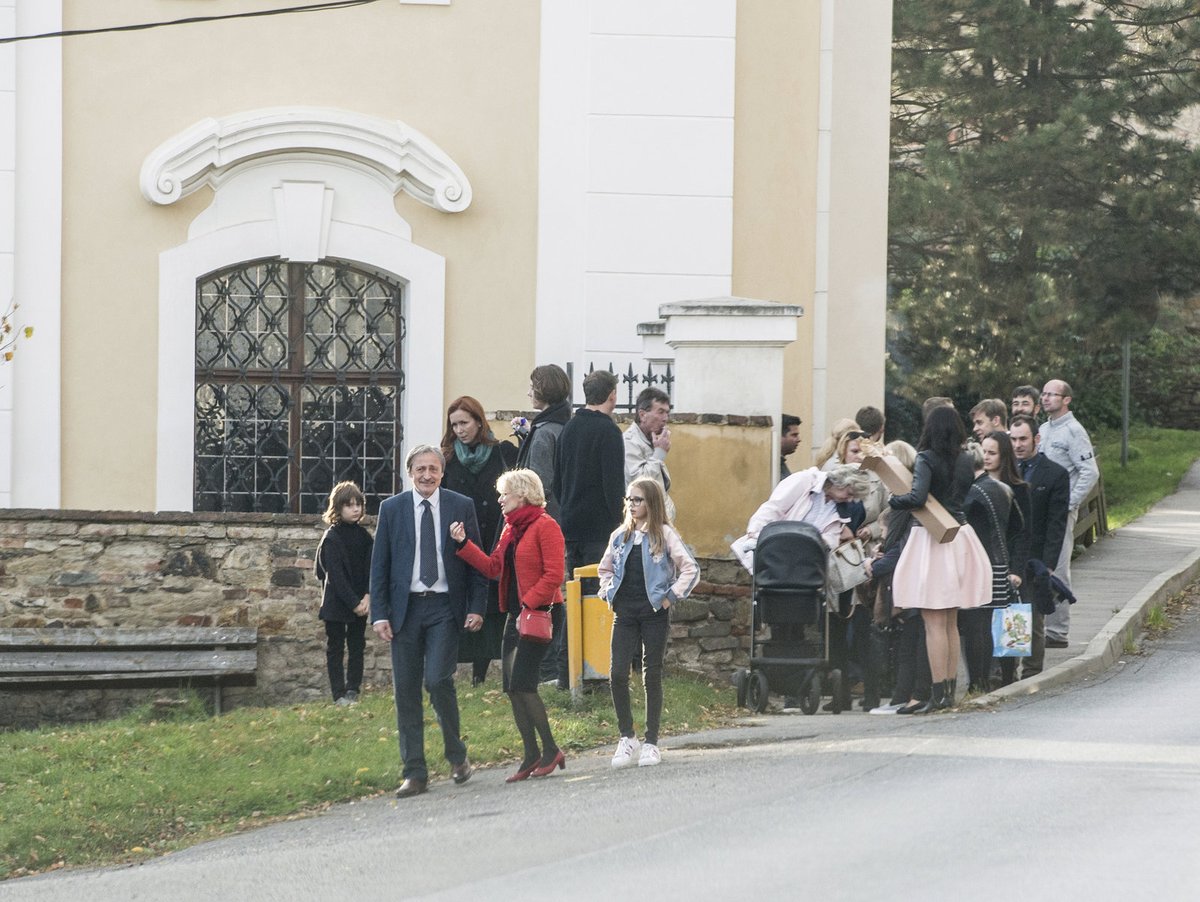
(789, 595)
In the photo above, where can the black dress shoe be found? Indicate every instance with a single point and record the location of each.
(1055, 643)
(461, 772)
(412, 787)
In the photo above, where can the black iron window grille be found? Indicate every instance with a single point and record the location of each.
(298, 386)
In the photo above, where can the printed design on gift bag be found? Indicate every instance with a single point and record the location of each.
(1012, 633)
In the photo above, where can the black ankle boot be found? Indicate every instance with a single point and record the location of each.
(951, 692)
(937, 695)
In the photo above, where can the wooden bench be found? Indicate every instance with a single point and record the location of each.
(95, 658)
(1093, 516)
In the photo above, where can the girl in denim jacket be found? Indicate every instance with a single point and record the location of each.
(645, 569)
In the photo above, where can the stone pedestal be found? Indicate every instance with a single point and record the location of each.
(729, 354)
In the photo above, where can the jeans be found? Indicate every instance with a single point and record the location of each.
(426, 648)
(644, 629)
(1058, 624)
(350, 637)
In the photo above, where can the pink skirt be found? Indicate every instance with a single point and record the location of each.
(955, 575)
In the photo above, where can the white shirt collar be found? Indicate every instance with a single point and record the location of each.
(432, 499)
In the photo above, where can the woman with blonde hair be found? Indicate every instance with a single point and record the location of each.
(645, 569)
(528, 563)
(827, 457)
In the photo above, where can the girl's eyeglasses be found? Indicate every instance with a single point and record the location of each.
(632, 499)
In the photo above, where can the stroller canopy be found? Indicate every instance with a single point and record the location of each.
(789, 556)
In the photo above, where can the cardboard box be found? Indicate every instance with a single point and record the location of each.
(933, 516)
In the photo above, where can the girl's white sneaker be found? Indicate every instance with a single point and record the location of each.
(650, 756)
(627, 751)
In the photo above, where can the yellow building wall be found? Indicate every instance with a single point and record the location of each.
(464, 74)
(774, 179)
(717, 479)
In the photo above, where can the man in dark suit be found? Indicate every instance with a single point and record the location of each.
(1049, 497)
(422, 596)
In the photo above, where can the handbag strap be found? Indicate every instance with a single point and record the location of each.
(1001, 540)
(995, 523)
(854, 545)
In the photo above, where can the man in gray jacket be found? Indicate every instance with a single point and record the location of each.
(648, 441)
(1066, 442)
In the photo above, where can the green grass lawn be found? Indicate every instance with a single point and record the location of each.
(144, 785)
(1158, 459)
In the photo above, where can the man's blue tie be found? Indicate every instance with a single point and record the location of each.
(429, 567)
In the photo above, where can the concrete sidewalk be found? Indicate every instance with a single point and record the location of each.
(1117, 581)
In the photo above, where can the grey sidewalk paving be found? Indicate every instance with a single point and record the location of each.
(1117, 581)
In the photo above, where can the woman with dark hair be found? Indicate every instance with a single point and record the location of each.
(1000, 463)
(940, 578)
(474, 461)
(528, 560)
(549, 388)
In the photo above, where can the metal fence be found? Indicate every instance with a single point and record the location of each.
(631, 382)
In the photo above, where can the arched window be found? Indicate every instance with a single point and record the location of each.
(298, 385)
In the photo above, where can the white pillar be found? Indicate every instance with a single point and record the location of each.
(37, 280)
(729, 356)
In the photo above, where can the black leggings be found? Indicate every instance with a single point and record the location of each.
(520, 665)
(975, 627)
(912, 661)
(350, 637)
(644, 629)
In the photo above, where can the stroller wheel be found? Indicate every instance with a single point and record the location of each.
(757, 692)
(741, 681)
(835, 690)
(811, 699)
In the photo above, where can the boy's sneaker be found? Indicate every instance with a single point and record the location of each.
(650, 756)
(351, 697)
(342, 701)
(627, 750)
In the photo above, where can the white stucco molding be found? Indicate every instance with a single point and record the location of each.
(206, 153)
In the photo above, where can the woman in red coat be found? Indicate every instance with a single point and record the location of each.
(528, 564)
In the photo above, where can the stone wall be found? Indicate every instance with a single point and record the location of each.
(135, 570)
(65, 569)
(710, 630)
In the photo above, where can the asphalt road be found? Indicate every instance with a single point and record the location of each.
(1089, 793)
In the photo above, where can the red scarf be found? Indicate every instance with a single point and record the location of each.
(516, 524)
(521, 519)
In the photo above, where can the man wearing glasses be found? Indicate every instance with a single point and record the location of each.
(1066, 442)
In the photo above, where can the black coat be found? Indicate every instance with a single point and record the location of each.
(481, 488)
(1049, 497)
(343, 565)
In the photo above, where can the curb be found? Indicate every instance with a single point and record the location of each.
(1108, 645)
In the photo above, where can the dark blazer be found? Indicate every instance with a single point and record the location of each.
(1049, 495)
(395, 547)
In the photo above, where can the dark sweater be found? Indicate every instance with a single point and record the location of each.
(589, 474)
(539, 451)
(343, 565)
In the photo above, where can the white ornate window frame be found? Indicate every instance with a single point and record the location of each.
(302, 184)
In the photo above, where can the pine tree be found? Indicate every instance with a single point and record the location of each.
(1044, 200)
